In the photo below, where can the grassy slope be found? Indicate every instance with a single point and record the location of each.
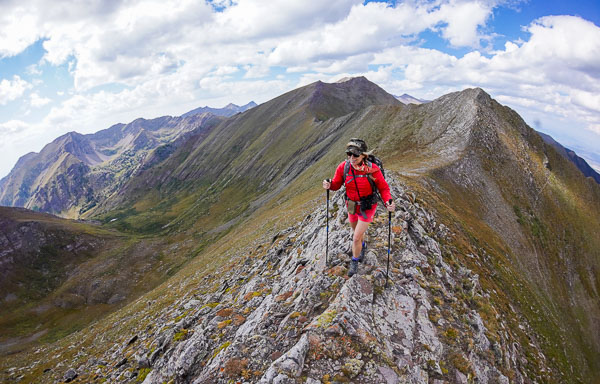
(545, 263)
(393, 130)
(63, 286)
(256, 161)
(547, 267)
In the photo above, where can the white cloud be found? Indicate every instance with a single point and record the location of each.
(37, 101)
(11, 127)
(17, 139)
(463, 19)
(12, 89)
(33, 69)
(556, 72)
(19, 28)
(172, 55)
(225, 70)
(136, 41)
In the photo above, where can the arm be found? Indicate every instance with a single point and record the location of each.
(337, 181)
(382, 186)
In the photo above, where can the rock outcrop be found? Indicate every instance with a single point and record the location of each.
(281, 314)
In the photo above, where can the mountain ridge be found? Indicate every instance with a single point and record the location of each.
(227, 111)
(494, 263)
(97, 158)
(405, 98)
(579, 162)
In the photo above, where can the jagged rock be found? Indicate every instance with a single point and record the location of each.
(460, 377)
(142, 361)
(252, 322)
(288, 365)
(283, 379)
(70, 375)
(121, 363)
(293, 316)
(192, 304)
(389, 375)
(189, 352)
(133, 340)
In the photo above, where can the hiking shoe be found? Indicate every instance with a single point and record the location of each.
(362, 252)
(353, 268)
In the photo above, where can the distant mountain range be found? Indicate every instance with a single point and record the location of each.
(229, 110)
(70, 174)
(408, 99)
(579, 162)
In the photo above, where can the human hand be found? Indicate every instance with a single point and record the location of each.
(391, 206)
(327, 183)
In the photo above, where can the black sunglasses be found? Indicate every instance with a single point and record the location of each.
(352, 154)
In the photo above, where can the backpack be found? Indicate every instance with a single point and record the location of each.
(371, 159)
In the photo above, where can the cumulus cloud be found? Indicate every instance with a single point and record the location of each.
(137, 41)
(165, 56)
(367, 28)
(554, 72)
(37, 101)
(462, 22)
(11, 127)
(19, 28)
(12, 89)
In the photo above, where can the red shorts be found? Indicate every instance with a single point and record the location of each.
(359, 215)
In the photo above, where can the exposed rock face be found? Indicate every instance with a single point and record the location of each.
(505, 291)
(31, 249)
(76, 171)
(282, 315)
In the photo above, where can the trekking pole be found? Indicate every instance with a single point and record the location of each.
(387, 273)
(327, 242)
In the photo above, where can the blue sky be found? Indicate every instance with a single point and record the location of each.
(83, 66)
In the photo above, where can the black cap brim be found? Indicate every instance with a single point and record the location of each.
(354, 150)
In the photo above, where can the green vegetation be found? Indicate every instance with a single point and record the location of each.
(220, 348)
(142, 374)
(178, 336)
(532, 240)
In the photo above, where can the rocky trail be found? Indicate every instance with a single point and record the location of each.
(279, 314)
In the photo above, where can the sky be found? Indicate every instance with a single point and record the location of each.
(69, 65)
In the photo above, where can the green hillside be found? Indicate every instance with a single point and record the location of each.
(496, 246)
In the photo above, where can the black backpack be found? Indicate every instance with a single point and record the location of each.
(371, 159)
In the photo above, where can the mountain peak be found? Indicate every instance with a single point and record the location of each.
(228, 110)
(352, 78)
(343, 97)
(408, 99)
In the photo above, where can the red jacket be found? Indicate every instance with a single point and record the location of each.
(364, 187)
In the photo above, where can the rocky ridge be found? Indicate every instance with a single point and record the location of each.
(279, 314)
(70, 175)
(228, 110)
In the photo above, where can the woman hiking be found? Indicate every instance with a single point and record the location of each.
(361, 200)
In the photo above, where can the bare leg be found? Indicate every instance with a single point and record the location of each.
(360, 227)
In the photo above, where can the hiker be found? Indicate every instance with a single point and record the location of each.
(361, 200)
